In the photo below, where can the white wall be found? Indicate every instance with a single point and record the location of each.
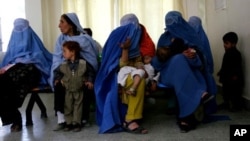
(235, 17)
(34, 15)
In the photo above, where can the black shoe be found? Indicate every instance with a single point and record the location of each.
(206, 98)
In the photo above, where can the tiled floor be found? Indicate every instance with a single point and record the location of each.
(161, 126)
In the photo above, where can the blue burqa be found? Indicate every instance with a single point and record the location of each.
(26, 47)
(195, 22)
(110, 112)
(176, 73)
(177, 27)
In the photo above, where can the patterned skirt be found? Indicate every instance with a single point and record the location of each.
(15, 84)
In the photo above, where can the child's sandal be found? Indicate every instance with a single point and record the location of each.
(131, 91)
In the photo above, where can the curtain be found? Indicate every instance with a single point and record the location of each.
(102, 16)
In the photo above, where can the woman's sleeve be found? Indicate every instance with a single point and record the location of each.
(90, 73)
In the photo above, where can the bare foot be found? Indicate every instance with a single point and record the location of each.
(131, 91)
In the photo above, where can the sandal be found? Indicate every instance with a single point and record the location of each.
(137, 130)
(131, 91)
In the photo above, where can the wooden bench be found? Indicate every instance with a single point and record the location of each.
(35, 98)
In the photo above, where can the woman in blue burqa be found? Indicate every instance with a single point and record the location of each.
(116, 112)
(25, 65)
(196, 23)
(177, 27)
(185, 71)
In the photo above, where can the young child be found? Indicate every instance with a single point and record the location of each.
(73, 73)
(231, 73)
(139, 71)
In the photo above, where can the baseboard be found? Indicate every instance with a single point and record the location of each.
(247, 103)
(245, 100)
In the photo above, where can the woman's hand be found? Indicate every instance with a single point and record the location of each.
(190, 53)
(2, 71)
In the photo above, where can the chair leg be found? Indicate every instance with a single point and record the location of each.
(29, 109)
(39, 102)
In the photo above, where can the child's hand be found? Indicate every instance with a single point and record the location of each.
(56, 81)
(126, 44)
(189, 53)
(62, 82)
(89, 85)
(153, 86)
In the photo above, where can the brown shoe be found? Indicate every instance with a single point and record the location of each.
(68, 127)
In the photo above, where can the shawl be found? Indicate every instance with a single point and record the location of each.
(147, 47)
(73, 17)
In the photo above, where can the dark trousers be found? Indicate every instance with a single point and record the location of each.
(232, 95)
(88, 99)
(15, 84)
(59, 97)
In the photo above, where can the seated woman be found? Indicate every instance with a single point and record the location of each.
(121, 112)
(25, 65)
(71, 30)
(178, 27)
(176, 73)
(184, 69)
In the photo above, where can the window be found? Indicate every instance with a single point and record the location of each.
(9, 11)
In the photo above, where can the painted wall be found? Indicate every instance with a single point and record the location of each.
(235, 17)
(221, 16)
(34, 15)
